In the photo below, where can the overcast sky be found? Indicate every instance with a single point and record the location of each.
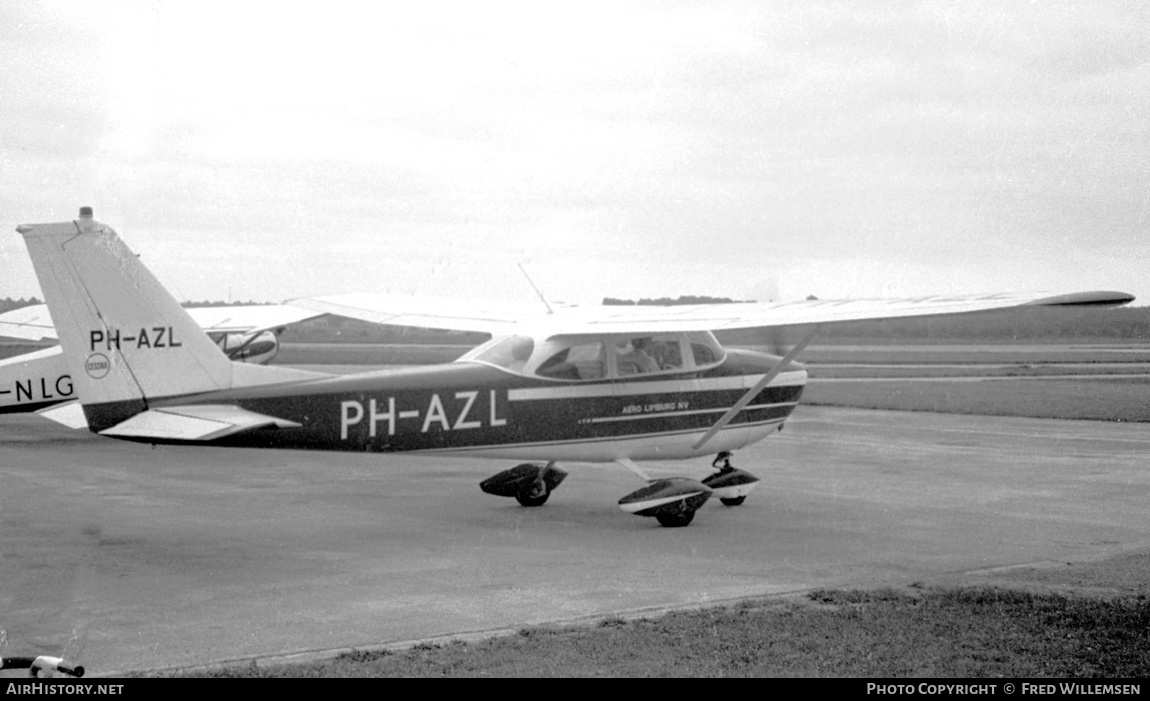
(751, 150)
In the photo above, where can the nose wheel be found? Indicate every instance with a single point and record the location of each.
(730, 484)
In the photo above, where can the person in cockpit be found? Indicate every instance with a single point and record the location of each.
(638, 359)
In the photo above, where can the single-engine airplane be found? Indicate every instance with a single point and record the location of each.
(602, 384)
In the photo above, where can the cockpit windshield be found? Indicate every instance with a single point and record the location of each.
(510, 352)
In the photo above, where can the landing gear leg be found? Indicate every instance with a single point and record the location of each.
(534, 492)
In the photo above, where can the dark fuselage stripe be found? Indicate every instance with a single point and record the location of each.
(695, 412)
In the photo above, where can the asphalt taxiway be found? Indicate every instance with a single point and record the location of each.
(124, 557)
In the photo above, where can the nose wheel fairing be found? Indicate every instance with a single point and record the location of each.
(731, 485)
(672, 501)
(529, 483)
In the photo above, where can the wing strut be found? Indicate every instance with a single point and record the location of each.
(630, 465)
(754, 391)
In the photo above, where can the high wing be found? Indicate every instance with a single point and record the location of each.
(34, 323)
(485, 316)
(498, 317)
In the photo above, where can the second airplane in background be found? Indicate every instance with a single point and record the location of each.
(40, 379)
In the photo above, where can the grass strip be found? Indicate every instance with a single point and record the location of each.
(933, 632)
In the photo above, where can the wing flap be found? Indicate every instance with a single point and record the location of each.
(249, 319)
(195, 422)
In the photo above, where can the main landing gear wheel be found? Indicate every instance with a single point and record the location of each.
(675, 520)
(533, 494)
(529, 483)
(733, 501)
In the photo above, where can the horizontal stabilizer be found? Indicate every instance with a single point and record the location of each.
(196, 422)
(70, 414)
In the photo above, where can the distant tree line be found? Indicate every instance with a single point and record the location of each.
(206, 303)
(8, 304)
(667, 301)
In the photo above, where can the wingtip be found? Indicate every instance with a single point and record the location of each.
(1100, 298)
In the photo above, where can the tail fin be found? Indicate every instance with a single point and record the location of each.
(126, 340)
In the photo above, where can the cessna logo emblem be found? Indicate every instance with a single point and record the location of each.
(97, 365)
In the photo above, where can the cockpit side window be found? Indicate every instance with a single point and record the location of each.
(575, 358)
(585, 361)
(667, 354)
(647, 354)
